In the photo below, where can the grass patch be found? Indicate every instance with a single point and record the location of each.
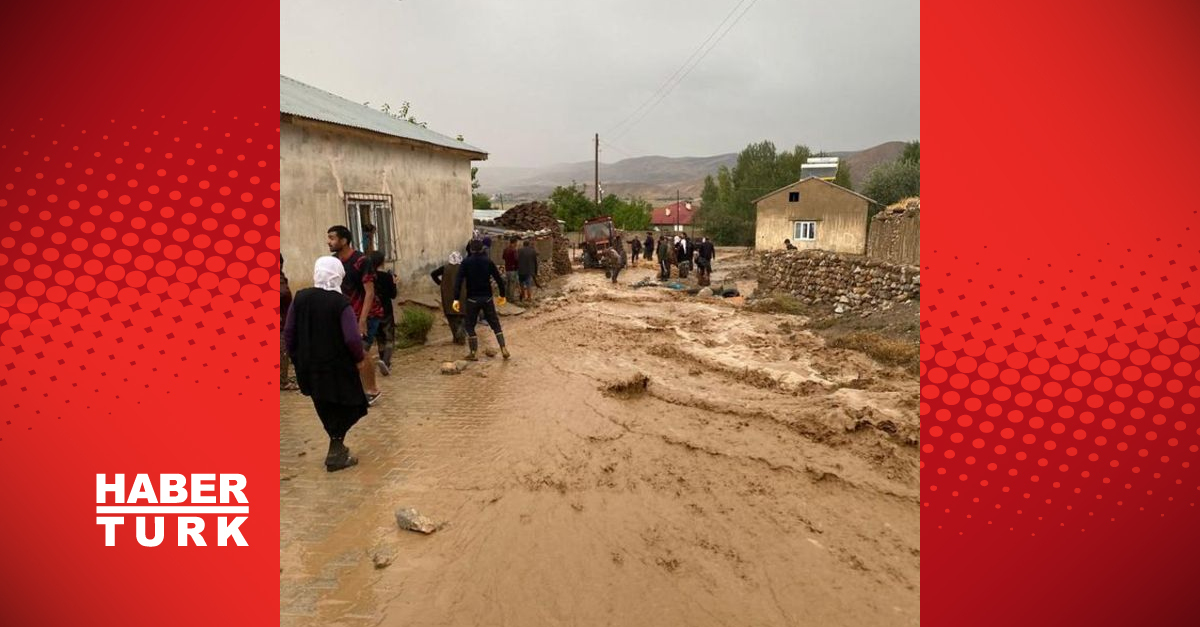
(778, 303)
(413, 326)
(885, 350)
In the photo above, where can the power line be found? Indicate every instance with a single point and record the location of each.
(679, 69)
(630, 126)
(621, 150)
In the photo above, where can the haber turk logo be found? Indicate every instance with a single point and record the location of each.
(187, 499)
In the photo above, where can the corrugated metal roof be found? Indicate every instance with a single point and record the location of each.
(306, 101)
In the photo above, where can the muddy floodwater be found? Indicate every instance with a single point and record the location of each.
(645, 458)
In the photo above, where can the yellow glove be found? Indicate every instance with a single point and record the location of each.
(456, 306)
(501, 300)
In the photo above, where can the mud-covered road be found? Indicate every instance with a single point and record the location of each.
(646, 458)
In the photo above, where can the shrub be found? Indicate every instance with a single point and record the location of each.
(883, 349)
(892, 182)
(778, 303)
(413, 327)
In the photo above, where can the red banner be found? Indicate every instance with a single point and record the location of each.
(139, 325)
(1059, 330)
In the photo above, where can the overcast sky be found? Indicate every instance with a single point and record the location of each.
(530, 81)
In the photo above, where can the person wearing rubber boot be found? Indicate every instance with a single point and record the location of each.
(323, 342)
(477, 273)
(444, 278)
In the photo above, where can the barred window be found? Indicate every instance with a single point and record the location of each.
(370, 220)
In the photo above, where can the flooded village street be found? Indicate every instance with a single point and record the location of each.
(647, 457)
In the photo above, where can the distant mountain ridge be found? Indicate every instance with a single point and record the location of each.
(653, 178)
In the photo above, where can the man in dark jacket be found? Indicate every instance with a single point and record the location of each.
(527, 269)
(705, 253)
(684, 253)
(664, 258)
(477, 273)
(649, 247)
(635, 251)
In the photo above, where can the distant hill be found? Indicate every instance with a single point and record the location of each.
(862, 162)
(652, 178)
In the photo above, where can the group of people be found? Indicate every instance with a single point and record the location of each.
(329, 329)
(679, 252)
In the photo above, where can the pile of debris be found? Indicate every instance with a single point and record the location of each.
(537, 216)
(900, 208)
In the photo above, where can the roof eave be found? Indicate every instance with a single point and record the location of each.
(473, 155)
(769, 194)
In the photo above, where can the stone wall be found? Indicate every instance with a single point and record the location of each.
(845, 283)
(895, 233)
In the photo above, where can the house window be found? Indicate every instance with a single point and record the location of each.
(804, 231)
(369, 218)
(793, 196)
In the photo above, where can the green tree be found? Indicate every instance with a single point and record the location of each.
(912, 152)
(474, 180)
(571, 205)
(893, 182)
(628, 215)
(481, 201)
(843, 175)
(709, 195)
(728, 213)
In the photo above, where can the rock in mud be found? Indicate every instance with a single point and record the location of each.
(382, 556)
(629, 388)
(412, 520)
(705, 293)
(450, 367)
(490, 352)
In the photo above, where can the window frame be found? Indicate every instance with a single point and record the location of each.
(379, 211)
(794, 194)
(798, 230)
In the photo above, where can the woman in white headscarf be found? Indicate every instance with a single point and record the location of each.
(323, 343)
(444, 277)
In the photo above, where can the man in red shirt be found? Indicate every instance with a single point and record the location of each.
(359, 286)
(510, 267)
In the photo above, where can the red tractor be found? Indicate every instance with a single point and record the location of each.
(597, 235)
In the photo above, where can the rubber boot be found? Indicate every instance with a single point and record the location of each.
(474, 345)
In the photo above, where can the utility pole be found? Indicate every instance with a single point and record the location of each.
(597, 169)
(677, 209)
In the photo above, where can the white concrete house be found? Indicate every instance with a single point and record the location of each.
(344, 163)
